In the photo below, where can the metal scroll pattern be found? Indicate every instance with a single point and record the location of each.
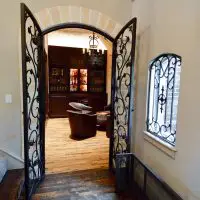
(33, 146)
(164, 77)
(122, 93)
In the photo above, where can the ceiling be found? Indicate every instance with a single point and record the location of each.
(77, 33)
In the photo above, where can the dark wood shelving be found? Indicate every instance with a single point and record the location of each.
(90, 84)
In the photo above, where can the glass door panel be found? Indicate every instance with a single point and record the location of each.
(73, 80)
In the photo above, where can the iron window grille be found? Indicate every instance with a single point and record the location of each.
(163, 93)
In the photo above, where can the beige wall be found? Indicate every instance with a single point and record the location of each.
(171, 26)
(10, 115)
(109, 74)
(108, 45)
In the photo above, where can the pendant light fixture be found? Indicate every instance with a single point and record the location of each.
(93, 45)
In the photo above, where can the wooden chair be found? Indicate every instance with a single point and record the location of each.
(80, 106)
(82, 124)
(103, 117)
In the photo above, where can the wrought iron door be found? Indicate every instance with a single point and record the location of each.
(122, 90)
(33, 100)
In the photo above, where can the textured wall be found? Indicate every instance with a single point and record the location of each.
(171, 26)
(61, 14)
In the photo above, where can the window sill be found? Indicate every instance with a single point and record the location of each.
(166, 148)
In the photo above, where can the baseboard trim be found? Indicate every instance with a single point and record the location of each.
(12, 155)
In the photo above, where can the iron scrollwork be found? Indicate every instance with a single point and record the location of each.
(123, 86)
(164, 76)
(32, 49)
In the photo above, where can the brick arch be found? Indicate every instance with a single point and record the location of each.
(50, 17)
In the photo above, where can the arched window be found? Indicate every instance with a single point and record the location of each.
(163, 93)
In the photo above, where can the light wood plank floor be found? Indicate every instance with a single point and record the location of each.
(64, 154)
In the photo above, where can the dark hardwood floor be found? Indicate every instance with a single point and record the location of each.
(11, 183)
(96, 184)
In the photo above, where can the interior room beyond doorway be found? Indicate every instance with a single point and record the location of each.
(75, 74)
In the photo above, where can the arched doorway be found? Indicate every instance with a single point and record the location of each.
(78, 25)
(58, 15)
(34, 93)
(69, 154)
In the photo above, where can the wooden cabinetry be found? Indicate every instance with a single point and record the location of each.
(57, 105)
(75, 77)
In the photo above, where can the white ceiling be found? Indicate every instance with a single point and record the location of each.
(74, 37)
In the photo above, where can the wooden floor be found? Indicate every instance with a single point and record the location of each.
(11, 184)
(64, 154)
(77, 170)
(96, 184)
